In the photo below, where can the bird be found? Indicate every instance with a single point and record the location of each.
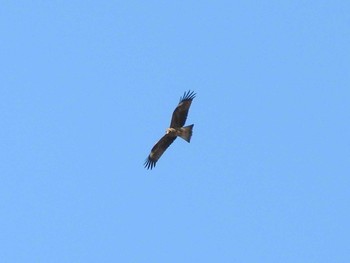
(176, 129)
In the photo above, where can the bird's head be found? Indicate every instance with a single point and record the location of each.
(169, 130)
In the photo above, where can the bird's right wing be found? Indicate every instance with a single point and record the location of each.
(158, 149)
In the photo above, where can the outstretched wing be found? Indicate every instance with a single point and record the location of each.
(180, 113)
(158, 150)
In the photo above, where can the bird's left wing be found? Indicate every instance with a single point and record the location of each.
(180, 113)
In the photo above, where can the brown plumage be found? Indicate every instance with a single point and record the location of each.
(176, 129)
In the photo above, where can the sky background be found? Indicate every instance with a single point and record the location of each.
(88, 87)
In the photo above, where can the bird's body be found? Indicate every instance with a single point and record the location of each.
(183, 132)
(175, 130)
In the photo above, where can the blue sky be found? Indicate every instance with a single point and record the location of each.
(88, 87)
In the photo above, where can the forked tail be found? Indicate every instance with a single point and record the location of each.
(186, 133)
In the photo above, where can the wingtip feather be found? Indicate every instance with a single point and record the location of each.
(149, 164)
(189, 95)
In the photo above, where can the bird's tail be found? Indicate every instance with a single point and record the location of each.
(186, 133)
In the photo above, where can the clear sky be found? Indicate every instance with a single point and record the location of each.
(88, 87)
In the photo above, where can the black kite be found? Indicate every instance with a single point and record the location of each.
(176, 129)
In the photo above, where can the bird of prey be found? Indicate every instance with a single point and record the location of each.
(176, 129)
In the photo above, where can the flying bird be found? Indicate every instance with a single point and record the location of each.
(176, 129)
